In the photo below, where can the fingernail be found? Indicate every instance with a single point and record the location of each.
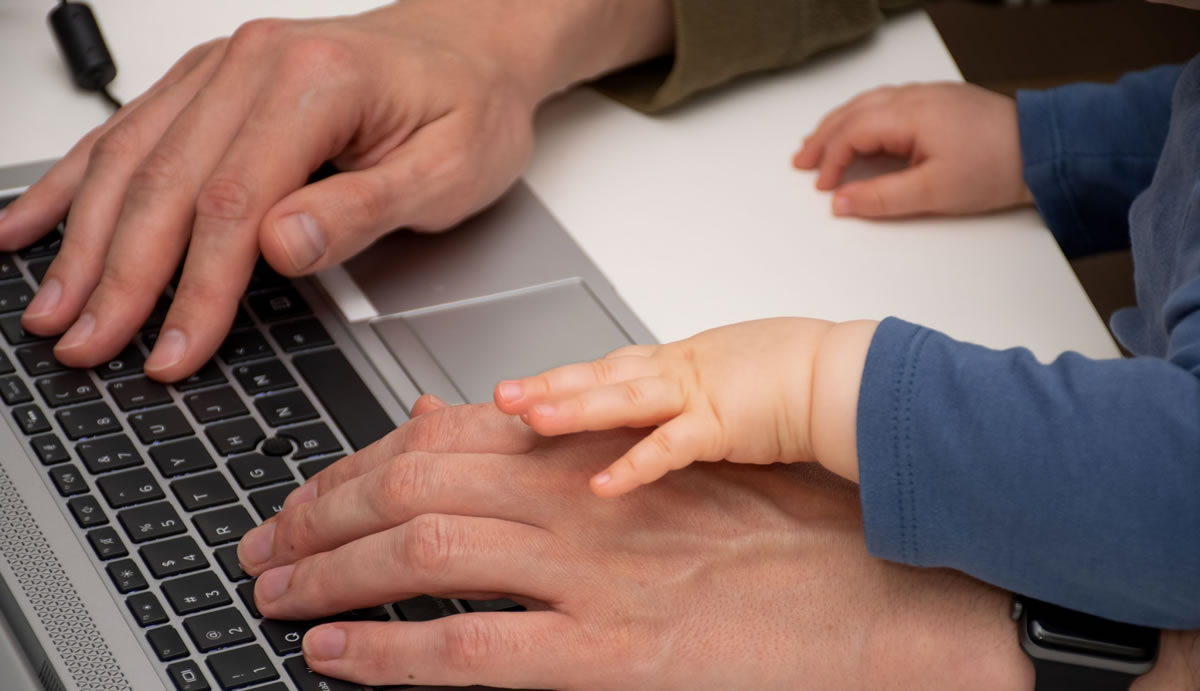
(79, 332)
(543, 410)
(273, 584)
(168, 349)
(325, 643)
(257, 545)
(602, 479)
(510, 390)
(46, 299)
(301, 495)
(301, 238)
(842, 206)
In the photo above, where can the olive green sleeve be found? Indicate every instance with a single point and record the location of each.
(718, 40)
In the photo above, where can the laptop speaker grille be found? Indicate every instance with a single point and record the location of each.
(53, 597)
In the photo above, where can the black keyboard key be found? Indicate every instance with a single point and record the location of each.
(241, 320)
(129, 361)
(138, 392)
(285, 408)
(8, 268)
(67, 388)
(46, 246)
(203, 491)
(308, 680)
(151, 522)
(265, 278)
(277, 305)
(38, 359)
(257, 470)
(195, 593)
(343, 393)
(501, 605)
(173, 557)
(276, 446)
(312, 440)
(146, 609)
(207, 375)
(108, 453)
(240, 346)
(260, 377)
(160, 424)
(87, 511)
(223, 525)
(236, 436)
(228, 559)
(166, 642)
(300, 335)
(240, 667)
(129, 488)
(215, 404)
(219, 629)
(67, 480)
(6, 365)
(179, 457)
(285, 637)
(107, 544)
(157, 315)
(126, 576)
(245, 591)
(14, 391)
(187, 676)
(50, 450)
(425, 608)
(31, 419)
(37, 269)
(269, 502)
(88, 420)
(310, 468)
(14, 333)
(14, 296)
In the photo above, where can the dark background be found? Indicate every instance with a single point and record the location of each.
(1009, 48)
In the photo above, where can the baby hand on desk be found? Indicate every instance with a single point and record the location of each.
(746, 393)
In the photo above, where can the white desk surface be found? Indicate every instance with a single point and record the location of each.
(697, 217)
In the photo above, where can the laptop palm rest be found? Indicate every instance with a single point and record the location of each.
(460, 350)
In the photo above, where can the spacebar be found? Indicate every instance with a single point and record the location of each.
(343, 393)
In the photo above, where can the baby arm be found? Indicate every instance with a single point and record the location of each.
(775, 390)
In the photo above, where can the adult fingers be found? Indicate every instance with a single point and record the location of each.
(517, 396)
(905, 193)
(410, 485)
(432, 553)
(154, 220)
(670, 447)
(46, 202)
(458, 429)
(501, 649)
(634, 403)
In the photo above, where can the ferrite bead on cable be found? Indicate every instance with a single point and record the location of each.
(82, 45)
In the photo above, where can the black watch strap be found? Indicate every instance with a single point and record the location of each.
(1057, 676)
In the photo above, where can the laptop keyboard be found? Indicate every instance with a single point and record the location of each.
(163, 480)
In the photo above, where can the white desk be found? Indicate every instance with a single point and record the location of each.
(697, 217)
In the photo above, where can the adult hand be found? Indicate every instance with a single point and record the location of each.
(425, 104)
(718, 576)
(962, 143)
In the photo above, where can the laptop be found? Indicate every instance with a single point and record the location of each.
(122, 500)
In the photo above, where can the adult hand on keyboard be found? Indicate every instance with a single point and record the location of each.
(425, 104)
(716, 577)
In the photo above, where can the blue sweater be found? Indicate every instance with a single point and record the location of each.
(1077, 481)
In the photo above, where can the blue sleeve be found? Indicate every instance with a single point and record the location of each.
(1075, 482)
(1089, 149)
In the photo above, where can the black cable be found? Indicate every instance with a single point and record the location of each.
(116, 104)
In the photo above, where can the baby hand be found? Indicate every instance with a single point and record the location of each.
(962, 143)
(740, 393)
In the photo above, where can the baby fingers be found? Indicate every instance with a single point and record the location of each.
(516, 397)
(634, 403)
(673, 446)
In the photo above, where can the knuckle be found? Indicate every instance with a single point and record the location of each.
(119, 142)
(315, 57)
(159, 171)
(634, 394)
(471, 642)
(428, 544)
(363, 199)
(224, 198)
(429, 431)
(604, 371)
(255, 34)
(663, 442)
(122, 279)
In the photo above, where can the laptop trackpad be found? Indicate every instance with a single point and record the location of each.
(459, 351)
